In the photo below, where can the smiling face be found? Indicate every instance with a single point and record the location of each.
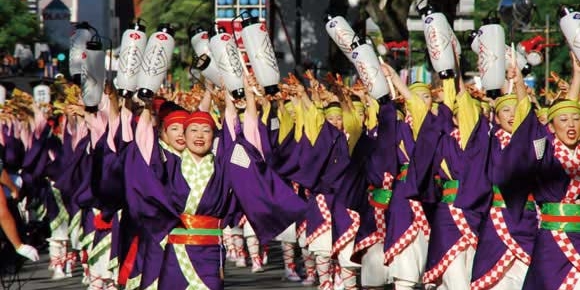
(198, 139)
(174, 137)
(566, 127)
(505, 118)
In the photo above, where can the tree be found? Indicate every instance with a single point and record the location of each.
(17, 24)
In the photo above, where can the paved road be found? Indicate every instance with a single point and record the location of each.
(35, 276)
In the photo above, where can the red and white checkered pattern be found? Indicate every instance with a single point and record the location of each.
(467, 239)
(419, 224)
(242, 221)
(301, 229)
(376, 236)
(388, 180)
(349, 235)
(456, 135)
(570, 252)
(326, 225)
(571, 164)
(496, 273)
(513, 252)
(503, 137)
(420, 218)
(496, 215)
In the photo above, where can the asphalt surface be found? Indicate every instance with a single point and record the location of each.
(35, 276)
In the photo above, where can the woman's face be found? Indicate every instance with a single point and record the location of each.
(566, 127)
(335, 120)
(174, 137)
(426, 97)
(505, 118)
(198, 138)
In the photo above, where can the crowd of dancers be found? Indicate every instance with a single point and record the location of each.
(436, 186)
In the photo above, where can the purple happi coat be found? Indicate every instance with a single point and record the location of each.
(531, 163)
(158, 202)
(472, 194)
(523, 229)
(381, 161)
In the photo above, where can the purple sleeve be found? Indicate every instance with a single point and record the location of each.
(147, 198)
(269, 203)
(383, 157)
(423, 167)
(474, 191)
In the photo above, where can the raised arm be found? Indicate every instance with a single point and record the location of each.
(575, 84)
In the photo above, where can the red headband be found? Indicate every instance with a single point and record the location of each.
(178, 116)
(157, 102)
(200, 118)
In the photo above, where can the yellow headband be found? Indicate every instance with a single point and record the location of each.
(542, 111)
(359, 107)
(485, 106)
(563, 107)
(420, 88)
(333, 111)
(507, 100)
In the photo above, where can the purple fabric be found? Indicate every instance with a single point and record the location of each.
(549, 266)
(269, 203)
(380, 160)
(474, 192)
(490, 246)
(152, 205)
(74, 176)
(14, 151)
(206, 261)
(523, 229)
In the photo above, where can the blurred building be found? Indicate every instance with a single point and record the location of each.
(56, 24)
(104, 15)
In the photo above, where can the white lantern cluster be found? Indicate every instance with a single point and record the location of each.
(491, 56)
(224, 51)
(361, 54)
(156, 61)
(440, 41)
(205, 64)
(261, 54)
(133, 43)
(570, 25)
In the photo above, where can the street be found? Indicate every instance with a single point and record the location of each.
(35, 276)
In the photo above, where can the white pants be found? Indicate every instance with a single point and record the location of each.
(514, 277)
(373, 272)
(248, 230)
(322, 245)
(458, 274)
(344, 256)
(288, 235)
(61, 232)
(409, 264)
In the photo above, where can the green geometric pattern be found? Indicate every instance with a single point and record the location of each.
(75, 222)
(87, 240)
(62, 216)
(99, 249)
(197, 177)
(187, 269)
(133, 283)
(168, 148)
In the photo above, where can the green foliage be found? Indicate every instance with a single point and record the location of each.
(16, 24)
(181, 14)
